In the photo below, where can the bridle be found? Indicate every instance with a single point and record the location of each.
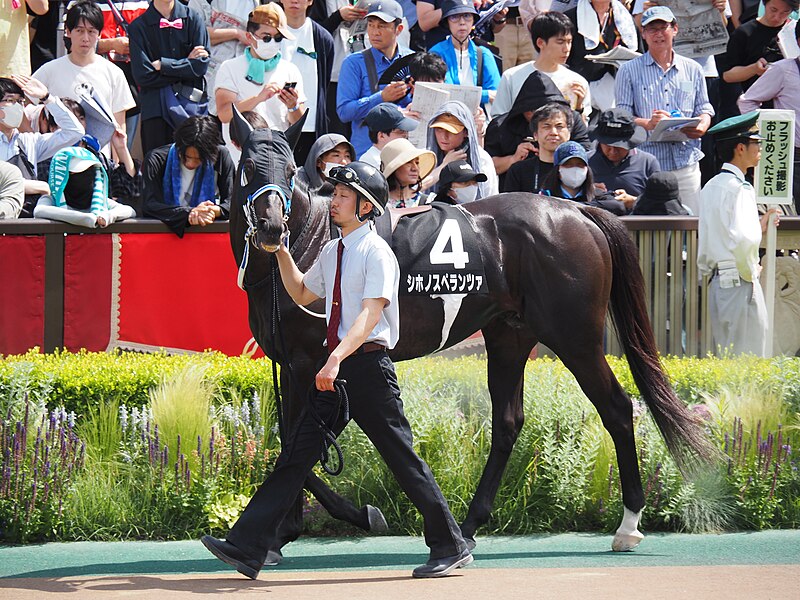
(252, 221)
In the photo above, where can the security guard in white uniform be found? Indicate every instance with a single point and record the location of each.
(729, 237)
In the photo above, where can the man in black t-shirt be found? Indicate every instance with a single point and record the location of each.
(750, 50)
(550, 127)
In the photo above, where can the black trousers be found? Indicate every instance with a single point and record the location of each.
(156, 132)
(376, 406)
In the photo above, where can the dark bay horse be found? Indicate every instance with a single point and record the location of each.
(553, 269)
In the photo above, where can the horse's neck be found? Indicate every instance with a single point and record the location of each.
(309, 225)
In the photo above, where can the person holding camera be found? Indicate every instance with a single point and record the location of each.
(261, 79)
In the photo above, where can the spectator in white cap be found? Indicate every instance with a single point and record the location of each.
(385, 123)
(661, 84)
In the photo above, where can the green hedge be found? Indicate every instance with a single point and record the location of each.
(79, 381)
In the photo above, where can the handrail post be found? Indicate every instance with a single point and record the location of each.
(54, 291)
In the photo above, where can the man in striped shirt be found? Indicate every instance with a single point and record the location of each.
(661, 84)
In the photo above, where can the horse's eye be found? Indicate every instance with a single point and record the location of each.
(248, 170)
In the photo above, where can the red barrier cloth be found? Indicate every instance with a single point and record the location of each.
(180, 294)
(87, 292)
(21, 293)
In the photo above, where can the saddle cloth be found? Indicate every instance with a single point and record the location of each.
(438, 250)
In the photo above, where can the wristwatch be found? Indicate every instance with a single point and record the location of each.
(295, 109)
(44, 98)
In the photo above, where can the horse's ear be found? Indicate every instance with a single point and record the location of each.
(240, 129)
(293, 132)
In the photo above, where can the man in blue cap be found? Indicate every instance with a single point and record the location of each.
(358, 89)
(385, 123)
(729, 236)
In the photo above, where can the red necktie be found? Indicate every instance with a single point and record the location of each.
(336, 302)
(165, 23)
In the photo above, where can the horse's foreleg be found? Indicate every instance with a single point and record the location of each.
(616, 412)
(507, 351)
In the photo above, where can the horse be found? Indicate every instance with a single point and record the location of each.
(553, 269)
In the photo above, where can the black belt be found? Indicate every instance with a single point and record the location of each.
(370, 347)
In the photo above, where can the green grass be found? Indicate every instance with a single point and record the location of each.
(561, 475)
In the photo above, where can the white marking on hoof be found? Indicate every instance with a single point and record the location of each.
(628, 535)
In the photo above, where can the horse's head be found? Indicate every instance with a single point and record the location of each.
(265, 181)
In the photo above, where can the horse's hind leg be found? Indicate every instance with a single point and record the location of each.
(589, 366)
(507, 351)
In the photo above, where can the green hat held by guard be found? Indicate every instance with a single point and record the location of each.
(741, 127)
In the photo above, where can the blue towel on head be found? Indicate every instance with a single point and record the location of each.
(204, 181)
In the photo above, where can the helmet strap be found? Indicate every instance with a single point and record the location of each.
(361, 218)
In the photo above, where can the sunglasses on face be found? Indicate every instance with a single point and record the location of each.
(267, 38)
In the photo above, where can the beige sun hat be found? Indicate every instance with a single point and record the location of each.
(400, 151)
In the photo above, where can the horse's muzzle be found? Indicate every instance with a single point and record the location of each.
(268, 239)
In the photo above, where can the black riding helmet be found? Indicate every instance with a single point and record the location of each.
(366, 181)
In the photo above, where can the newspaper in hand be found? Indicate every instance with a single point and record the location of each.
(429, 97)
(701, 28)
(616, 56)
(669, 129)
(99, 119)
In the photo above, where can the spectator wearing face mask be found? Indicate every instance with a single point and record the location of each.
(261, 79)
(330, 150)
(26, 149)
(572, 180)
(458, 183)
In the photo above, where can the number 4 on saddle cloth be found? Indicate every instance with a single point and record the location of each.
(438, 250)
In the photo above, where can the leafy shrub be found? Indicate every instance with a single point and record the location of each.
(561, 475)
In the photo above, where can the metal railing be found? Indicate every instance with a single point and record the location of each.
(677, 296)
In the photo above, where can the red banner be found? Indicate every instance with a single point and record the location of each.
(179, 294)
(21, 293)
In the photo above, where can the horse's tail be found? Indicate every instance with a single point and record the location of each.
(681, 429)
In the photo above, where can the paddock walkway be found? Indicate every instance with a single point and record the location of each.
(730, 566)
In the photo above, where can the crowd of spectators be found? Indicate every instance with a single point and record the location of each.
(134, 110)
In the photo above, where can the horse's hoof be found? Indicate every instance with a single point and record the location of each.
(377, 522)
(274, 558)
(471, 543)
(625, 542)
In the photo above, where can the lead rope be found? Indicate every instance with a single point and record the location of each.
(328, 435)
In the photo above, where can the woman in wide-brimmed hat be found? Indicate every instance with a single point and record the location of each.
(405, 166)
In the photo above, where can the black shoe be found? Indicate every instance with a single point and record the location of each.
(274, 558)
(230, 554)
(439, 567)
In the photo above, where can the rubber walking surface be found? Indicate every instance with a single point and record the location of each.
(740, 565)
